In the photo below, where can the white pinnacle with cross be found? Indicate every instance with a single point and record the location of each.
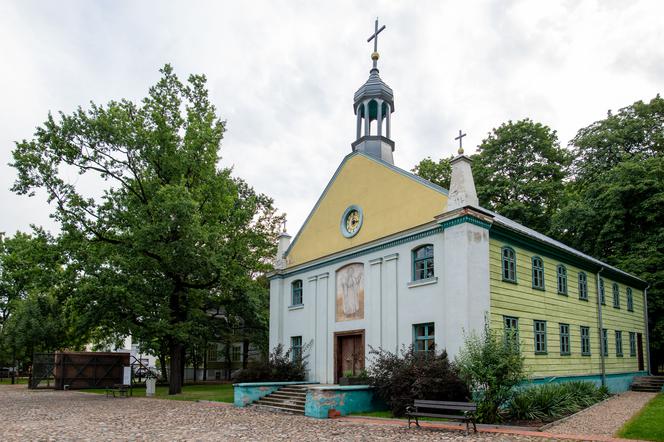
(374, 37)
(460, 138)
(462, 185)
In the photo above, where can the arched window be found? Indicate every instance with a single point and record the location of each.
(616, 295)
(602, 299)
(538, 273)
(509, 264)
(296, 292)
(583, 286)
(562, 280)
(630, 299)
(423, 262)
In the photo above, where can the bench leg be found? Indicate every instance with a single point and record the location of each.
(417, 421)
(409, 421)
(474, 427)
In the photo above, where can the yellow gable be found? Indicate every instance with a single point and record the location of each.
(391, 201)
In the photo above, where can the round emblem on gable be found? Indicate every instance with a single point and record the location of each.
(351, 221)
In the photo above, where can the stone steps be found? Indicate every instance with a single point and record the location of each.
(652, 384)
(289, 399)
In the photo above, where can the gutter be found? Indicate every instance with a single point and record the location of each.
(601, 328)
(645, 317)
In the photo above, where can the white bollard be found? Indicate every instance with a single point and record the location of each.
(150, 386)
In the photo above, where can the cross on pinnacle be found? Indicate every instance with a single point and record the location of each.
(374, 37)
(460, 138)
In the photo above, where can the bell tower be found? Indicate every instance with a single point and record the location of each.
(373, 105)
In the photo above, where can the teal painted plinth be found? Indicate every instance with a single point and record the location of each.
(615, 382)
(249, 392)
(344, 399)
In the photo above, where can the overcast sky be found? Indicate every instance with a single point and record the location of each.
(283, 74)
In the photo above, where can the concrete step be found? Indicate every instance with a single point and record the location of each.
(649, 389)
(293, 390)
(277, 409)
(277, 401)
(285, 396)
(280, 406)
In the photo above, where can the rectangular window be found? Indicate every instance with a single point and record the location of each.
(585, 341)
(212, 353)
(583, 286)
(296, 292)
(540, 337)
(616, 296)
(602, 299)
(511, 328)
(423, 337)
(296, 348)
(619, 343)
(564, 339)
(632, 344)
(605, 342)
(236, 353)
(630, 299)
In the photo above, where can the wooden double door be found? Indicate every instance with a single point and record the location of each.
(349, 353)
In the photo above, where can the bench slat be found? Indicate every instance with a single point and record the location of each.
(423, 402)
(442, 407)
(447, 416)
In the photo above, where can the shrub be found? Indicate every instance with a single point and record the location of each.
(549, 402)
(492, 365)
(400, 378)
(279, 366)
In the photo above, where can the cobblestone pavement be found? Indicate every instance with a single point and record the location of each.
(59, 415)
(605, 418)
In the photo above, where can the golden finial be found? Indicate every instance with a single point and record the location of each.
(375, 56)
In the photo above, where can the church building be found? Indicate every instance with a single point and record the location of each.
(407, 263)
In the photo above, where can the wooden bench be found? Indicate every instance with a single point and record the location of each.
(421, 408)
(123, 390)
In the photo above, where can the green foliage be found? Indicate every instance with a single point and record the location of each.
(399, 379)
(436, 172)
(279, 366)
(647, 424)
(549, 402)
(172, 238)
(519, 172)
(492, 365)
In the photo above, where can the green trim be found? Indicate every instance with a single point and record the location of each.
(587, 338)
(465, 219)
(566, 334)
(561, 276)
(518, 239)
(539, 269)
(630, 299)
(583, 294)
(616, 295)
(535, 332)
(426, 337)
(502, 264)
(605, 342)
(356, 254)
(427, 260)
(300, 292)
(619, 348)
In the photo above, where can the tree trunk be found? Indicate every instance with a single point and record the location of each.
(205, 358)
(194, 361)
(183, 365)
(175, 381)
(227, 354)
(162, 364)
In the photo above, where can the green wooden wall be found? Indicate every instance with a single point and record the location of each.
(521, 300)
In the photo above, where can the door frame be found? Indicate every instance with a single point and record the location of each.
(343, 334)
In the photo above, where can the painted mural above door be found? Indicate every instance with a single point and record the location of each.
(350, 292)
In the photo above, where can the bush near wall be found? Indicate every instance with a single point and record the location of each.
(400, 378)
(280, 366)
(549, 402)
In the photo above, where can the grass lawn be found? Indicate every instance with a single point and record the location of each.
(9, 380)
(648, 424)
(388, 414)
(216, 392)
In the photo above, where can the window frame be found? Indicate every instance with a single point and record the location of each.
(505, 264)
(616, 295)
(619, 347)
(630, 299)
(561, 277)
(585, 340)
(427, 338)
(296, 348)
(236, 350)
(425, 260)
(299, 290)
(507, 321)
(565, 338)
(602, 294)
(583, 286)
(537, 271)
(632, 344)
(537, 333)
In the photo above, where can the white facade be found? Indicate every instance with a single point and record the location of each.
(455, 300)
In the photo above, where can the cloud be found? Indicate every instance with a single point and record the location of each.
(283, 74)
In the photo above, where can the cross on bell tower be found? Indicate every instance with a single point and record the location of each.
(373, 106)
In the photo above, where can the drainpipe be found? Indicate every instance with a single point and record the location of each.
(601, 334)
(645, 317)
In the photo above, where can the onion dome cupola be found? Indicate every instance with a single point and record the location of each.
(373, 105)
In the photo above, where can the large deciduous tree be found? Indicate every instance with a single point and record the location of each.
(157, 233)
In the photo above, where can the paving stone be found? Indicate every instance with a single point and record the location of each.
(74, 416)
